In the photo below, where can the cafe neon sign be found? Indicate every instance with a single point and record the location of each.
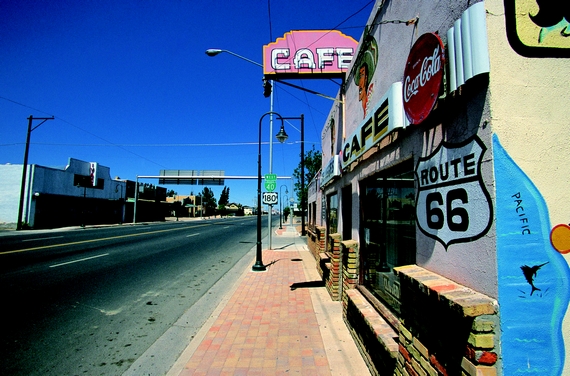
(309, 53)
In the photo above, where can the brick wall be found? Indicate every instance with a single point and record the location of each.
(312, 241)
(316, 244)
(375, 338)
(445, 328)
(349, 266)
(332, 281)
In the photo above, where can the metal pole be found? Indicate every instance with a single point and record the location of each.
(270, 211)
(303, 232)
(24, 171)
(258, 266)
(136, 199)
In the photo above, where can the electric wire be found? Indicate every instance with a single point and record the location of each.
(84, 130)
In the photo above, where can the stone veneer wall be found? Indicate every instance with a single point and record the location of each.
(313, 241)
(332, 280)
(316, 244)
(349, 266)
(445, 328)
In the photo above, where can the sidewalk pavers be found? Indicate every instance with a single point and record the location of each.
(266, 328)
(277, 322)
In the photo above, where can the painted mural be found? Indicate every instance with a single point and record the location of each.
(453, 205)
(539, 28)
(533, 274)
(365, 69)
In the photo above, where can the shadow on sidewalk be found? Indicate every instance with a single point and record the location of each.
(309, 284)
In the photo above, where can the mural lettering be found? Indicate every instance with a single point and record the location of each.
(521, 213)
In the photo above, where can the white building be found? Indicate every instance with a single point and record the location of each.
(80, 193)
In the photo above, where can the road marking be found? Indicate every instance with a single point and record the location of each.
(80, 260)
(100, 239)
(192, 235)
(227, 227)
(31, 240)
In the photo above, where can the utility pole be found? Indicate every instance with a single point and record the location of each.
(25, 168)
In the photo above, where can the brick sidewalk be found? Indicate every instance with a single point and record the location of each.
(266, 328)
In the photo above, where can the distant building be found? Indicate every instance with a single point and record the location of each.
(81, 193)
(190, 205)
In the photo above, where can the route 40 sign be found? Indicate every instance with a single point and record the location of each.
(269, 198)
(453, 205)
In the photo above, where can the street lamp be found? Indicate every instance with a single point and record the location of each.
(258, 266)
(281, 197)
(217, 51)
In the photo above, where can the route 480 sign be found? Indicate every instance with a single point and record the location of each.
(453, 205)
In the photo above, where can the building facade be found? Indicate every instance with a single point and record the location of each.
(444, 186)
(81, 193)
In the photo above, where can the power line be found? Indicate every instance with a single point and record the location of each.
(269, 16)
(84, 130)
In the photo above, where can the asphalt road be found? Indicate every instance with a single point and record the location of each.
(92, 301)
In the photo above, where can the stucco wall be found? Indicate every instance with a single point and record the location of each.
(531, 108)
(10, 181)
(529, 115)
(470, 263)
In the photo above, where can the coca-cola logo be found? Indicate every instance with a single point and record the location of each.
(423, 77)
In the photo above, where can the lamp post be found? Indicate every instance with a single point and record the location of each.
(216, 51)
(281, 205)
(24, 169)
(258, 266)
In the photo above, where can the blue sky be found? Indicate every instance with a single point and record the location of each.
(131, 87)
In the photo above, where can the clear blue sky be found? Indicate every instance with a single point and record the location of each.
(131, 87)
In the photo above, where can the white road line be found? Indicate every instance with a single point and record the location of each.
(192, 235)
(31, 240)
(80, 260)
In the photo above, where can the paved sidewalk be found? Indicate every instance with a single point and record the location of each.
(275, 322)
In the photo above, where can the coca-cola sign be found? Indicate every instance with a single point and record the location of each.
(423, 77)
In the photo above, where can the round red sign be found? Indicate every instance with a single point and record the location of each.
(423, 77)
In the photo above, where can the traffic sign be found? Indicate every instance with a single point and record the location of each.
(270, 198)
(270, 182)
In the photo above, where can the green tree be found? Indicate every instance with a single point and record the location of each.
(224, 201)
(224, 197)
(313, 163)
(208, 201)
(286, 213)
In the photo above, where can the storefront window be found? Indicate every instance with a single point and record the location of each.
(332, 213)
(388, 230)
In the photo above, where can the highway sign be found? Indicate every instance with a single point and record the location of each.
(270, 182)
(270, 198)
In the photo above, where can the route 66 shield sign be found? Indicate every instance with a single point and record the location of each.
(453, 205)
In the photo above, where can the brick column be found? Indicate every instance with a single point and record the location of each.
(333, 280)
(349, 266)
